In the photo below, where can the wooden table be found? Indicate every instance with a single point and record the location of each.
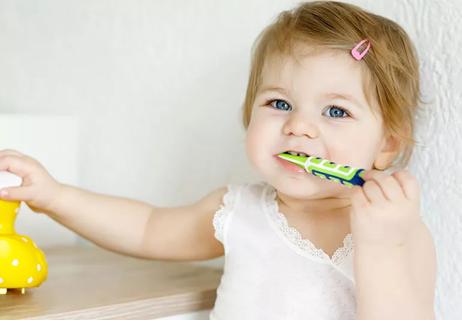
(92, 283)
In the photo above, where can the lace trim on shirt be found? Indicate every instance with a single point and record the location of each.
(294, 236)
(223, 212)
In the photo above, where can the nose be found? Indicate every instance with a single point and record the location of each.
(300, 125)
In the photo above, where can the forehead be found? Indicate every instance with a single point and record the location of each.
(313, 70)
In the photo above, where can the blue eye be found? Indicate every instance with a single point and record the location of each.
(340, 111)
(282, 105)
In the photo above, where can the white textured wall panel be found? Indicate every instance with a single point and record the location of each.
(437, 162)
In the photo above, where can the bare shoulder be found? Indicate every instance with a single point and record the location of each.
(212, 201)
(423, 263)
(209, 205)
(184, 232)
(204, 210)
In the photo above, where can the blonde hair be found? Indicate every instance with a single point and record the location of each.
(392, 69)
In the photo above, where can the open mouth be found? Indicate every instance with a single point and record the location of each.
(295, 153)
(292, 161)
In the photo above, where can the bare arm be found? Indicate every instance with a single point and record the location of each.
(139, 229)
(114, 223)
(397, 284)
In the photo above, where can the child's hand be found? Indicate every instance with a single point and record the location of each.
(385, 210)
(38, 188)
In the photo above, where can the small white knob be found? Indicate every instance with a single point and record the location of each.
(8, 179)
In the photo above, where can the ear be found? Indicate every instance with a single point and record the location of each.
(389, 150)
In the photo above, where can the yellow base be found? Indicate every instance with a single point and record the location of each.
(5, 290)
(22, 263)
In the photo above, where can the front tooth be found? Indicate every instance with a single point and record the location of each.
(293, 153)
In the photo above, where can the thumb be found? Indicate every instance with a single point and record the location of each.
(16, 194)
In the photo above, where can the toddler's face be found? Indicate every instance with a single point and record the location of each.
(306, 116)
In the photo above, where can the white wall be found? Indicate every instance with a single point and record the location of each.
(157, 87)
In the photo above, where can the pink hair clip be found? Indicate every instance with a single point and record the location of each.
(359, 55)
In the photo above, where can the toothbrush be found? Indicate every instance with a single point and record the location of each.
(326, 169)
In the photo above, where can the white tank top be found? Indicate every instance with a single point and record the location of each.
(270, 272)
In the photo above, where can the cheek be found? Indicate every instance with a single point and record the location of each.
(258, 142)
(253, 136)
(355, 152)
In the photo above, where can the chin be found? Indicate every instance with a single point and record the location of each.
(296, 186)
(306, 186)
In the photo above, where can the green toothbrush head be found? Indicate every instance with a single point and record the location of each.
(326, 169)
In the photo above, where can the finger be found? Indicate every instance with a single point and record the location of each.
(10, 152)
(16, 194)
(373, 192)
(408, 183)
(358, 198)
(389, 185)
(14, 164)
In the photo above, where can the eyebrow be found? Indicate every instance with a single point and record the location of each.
(332, 95)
